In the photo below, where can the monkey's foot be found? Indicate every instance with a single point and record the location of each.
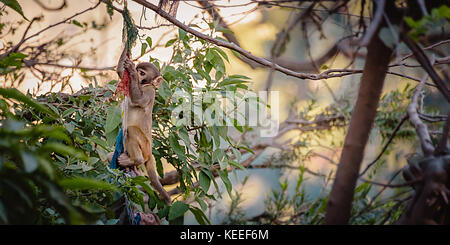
(125, 161)
(149, 219)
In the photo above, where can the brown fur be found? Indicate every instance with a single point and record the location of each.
(144, 79)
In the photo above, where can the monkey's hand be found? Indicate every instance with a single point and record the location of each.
(129, 66)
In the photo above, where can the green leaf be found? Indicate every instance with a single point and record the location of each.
(177, 221)
(199, 216)
(68, 112)
(77, 23)
(79, 183)
(64, 150)
(237, 164)
(3, 215)
(221, 157)
(181, 33)
(185, 137)
(13, 93)
(177, 210)
(46, 167)
(177, 148)
(224, 30)
(113, 119)
(229, 81)
(15, 6)
(245, 148)
(70, 127)
(221, 52)
(210, 54)
(143, 48)
(170, 42)
(224, 176)
(204, 181)
(99, 142)
(30, 162)
(149, 41)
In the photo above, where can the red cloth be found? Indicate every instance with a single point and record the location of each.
(124, 84)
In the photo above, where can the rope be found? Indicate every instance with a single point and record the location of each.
(129, 36)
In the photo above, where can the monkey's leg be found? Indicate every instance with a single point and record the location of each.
(134, 142)
(139, 148)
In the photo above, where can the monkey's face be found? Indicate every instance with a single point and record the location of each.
(149, 74)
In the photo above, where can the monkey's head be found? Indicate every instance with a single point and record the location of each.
(149, 74)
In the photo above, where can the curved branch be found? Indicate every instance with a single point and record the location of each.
(421, 128)
(238, 49)
(24, 39)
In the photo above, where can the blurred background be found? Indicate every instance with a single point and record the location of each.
(256, 28)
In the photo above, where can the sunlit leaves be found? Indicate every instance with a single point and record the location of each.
(79, 183)
(13, 93)
(436, 20)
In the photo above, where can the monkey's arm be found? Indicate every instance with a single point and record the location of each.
(137, 95)
(120, 65)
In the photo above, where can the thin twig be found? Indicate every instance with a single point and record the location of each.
(426, 64)
(397, 128)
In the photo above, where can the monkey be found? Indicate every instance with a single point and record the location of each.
(145, 78)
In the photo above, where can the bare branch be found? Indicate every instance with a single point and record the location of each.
(421, 128)
(427, 66)
(238, 49)
(281, 40)
(397, 128)
(442, 145)
(24, 39)
(373, 28)
(408, 183)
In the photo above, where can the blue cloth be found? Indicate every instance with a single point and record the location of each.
(137, 219)
(118, 150)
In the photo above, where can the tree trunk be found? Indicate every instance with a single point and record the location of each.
(364, 113)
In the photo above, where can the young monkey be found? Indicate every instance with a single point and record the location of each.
(137, 122)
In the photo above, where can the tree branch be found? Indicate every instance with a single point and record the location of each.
(397, 128)
(426, 65)
(238, 49)
(421, 128)
(373, 28)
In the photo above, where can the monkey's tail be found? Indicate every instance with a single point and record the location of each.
(150, 166)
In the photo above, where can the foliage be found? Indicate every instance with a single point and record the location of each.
(53, 167)
(437, 19)
(80, 130)
(31, 186)
(391, 111)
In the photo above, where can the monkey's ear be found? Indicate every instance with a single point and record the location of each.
(157, 81)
